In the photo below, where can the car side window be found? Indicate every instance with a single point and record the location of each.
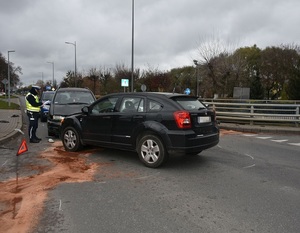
(154, 106)
(189, 103)
(104, 106)
(130, 104)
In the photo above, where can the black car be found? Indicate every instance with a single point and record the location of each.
(65, 102)
(46, 97)
(152, 124)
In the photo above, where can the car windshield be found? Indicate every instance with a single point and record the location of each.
(47, 96)
(76, 97)
(189, 103)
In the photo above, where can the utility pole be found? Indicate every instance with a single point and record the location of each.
(11, 51)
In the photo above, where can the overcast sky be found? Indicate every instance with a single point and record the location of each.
(167, 32)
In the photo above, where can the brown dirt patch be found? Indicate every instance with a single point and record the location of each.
(224, 132)
(22, 201)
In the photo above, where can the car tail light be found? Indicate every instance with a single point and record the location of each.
(183, 119)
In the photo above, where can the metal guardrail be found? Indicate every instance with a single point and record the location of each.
(255, 113)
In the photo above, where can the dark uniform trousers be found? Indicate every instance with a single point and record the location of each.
(33, 123)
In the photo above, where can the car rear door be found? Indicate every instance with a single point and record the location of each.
(128, 120)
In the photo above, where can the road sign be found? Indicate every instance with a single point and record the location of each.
(124, 82)
(143, 87)
(5, 81)
(187, 91)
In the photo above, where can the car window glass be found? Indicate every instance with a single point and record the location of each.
(189, 103)
(62, 98)
(154, 106)
(105, 105)
(74, 97)
(47, 95)
(141, 107)
(81, 97)
(132, 104)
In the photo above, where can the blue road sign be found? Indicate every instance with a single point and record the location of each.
(187, 91)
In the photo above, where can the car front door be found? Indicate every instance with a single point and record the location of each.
(96, 127)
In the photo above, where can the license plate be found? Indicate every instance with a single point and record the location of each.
(204, 119)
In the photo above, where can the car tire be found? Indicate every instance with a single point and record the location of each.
(71, 139)
(151, 151)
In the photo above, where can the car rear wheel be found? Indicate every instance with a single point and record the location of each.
(71, 139)
(152, 151)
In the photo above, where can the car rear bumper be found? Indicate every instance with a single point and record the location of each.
(44, 114)
(189, 142)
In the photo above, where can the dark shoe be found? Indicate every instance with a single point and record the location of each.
(38, 138)
(34, 141)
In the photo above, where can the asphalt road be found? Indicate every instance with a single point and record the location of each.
(248, 183)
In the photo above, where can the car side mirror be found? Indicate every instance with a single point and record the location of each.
(85, 110)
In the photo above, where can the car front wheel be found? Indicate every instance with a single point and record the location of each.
(71, 139)
(152, 151)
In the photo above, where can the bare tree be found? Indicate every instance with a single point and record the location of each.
(220, 68)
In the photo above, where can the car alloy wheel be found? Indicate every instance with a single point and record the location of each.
(71, 140)
(151, 151)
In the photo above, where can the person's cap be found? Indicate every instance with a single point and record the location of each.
(36, 87)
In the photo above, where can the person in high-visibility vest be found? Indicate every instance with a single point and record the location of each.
(33, 106)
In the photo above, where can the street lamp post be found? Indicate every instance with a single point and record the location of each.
(52, 71)
(75, 60)
(197, 77)
(8, 74)
(132, 46)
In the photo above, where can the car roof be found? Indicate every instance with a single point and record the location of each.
(149, 94)
(73, 89)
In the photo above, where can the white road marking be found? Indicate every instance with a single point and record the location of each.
(284, 140)
(4, 163)
(249, 156)
(249, 135)
(264, 138)
(219, 146)
(253, 165)
(294, 144)
(60, 209)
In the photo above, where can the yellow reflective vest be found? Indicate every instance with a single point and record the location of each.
(29, 107)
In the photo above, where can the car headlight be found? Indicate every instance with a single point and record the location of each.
(58, 117)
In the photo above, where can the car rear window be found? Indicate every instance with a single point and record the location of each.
(189, 103)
